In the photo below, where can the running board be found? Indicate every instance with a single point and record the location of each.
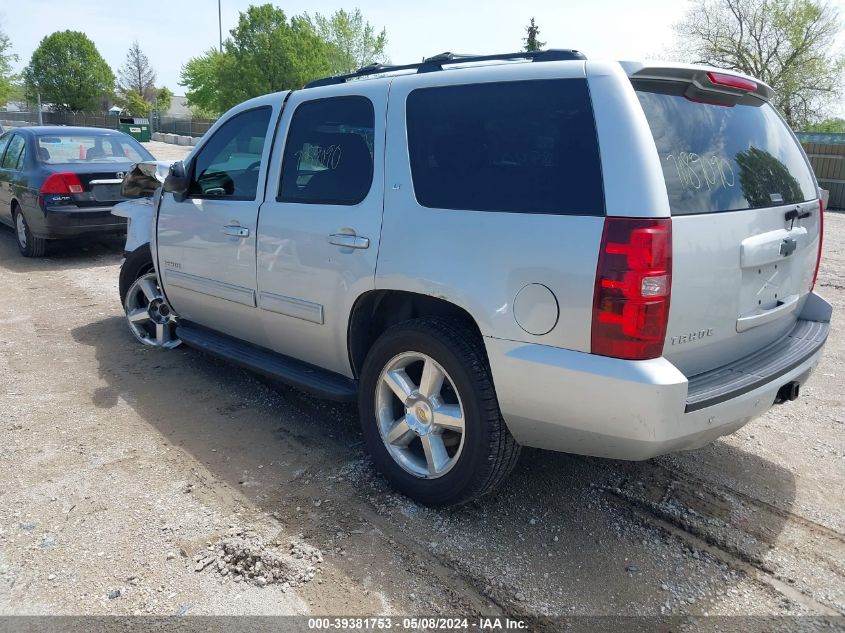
(315, 380)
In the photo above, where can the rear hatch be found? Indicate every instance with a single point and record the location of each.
(745, 215)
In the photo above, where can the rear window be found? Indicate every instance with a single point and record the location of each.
(518, 147)
(723, 158)
(60, 149)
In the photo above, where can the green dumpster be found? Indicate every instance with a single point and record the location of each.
(137, 127)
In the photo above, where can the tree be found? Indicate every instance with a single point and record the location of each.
(835, 125)
(7, 77)
(201, 78)
(352, 40)
(789, 44)
(69, 72)
(198, 112)
(133, 104)
(531, 42)
(138, 105)
(164, 99)
(265, 53)
(136, 88)
(760, 173)
(136, 74)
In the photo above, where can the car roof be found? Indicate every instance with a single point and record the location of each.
(511, 69)
(47, 130)
(470, 73)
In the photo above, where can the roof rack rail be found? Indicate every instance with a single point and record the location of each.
(436, 62)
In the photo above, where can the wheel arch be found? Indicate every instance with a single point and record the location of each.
(14, 205)
(17, 204)
(135, 264)
(377, 310)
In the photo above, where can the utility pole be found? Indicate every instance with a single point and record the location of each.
(220, 24)
(40, 117)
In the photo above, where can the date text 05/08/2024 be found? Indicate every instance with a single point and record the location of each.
(494, 623)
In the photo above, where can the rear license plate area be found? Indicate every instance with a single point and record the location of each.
(106, 193)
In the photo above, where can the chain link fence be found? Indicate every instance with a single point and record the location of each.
(183, 126)
(169, 125)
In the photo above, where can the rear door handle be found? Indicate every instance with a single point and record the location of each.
(349, 241)
(236, 231)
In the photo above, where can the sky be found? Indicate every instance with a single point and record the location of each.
(172, 31)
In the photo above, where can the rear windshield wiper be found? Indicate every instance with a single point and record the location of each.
(795, 214)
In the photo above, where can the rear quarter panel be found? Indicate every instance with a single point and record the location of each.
(480, 260)
(633, 178)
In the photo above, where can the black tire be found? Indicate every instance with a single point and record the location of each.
(138, 262)
(489, 452)
(35, 246)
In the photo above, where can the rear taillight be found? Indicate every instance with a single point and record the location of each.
(64, 183)
(732, 81)
(821, 239)
(633, 284)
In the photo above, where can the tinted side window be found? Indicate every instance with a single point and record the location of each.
(723, 158)
(21, 159)
(14, 153)
(4, 141)
(329, 152)
(519, 147)
(229, 164)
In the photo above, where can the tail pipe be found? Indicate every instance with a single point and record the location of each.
(788, 392)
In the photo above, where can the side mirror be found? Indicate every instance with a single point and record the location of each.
(177, 181)
(143, 179)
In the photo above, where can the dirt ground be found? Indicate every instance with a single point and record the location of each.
(167, 151)
(128, 476)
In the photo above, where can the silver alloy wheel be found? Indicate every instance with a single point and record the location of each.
(150, 317)
(20, 227)
(420, 415)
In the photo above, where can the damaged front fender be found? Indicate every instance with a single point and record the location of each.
(143, 185)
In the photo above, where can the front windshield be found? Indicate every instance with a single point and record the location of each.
(59, 149)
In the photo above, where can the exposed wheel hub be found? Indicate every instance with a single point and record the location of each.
(158, 310)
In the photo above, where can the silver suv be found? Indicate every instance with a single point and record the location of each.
(612, 259)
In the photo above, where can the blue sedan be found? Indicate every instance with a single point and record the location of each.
(61, 182)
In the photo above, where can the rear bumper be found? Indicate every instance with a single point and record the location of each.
(759, 369)
(593, 405)
(74, 221)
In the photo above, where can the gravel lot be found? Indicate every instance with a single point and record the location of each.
(134, 481)
(167, 151)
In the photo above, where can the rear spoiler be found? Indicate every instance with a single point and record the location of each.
(698, 77)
